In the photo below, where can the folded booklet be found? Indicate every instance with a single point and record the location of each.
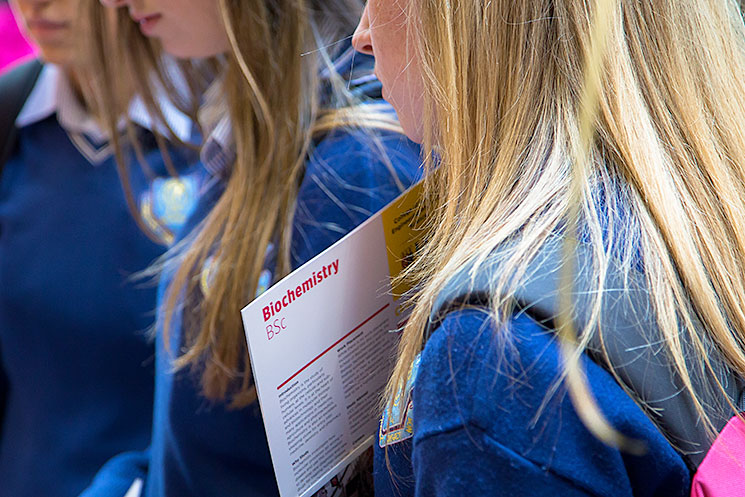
(322, 343)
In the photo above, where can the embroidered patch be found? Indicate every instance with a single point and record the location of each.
(265, 281)
(397, 423)
(166, 206)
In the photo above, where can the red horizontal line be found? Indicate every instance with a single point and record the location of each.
(363, 323)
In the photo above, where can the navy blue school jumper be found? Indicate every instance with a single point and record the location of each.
(477, 429)
(476, 417)
(202, 448)
(77, 364)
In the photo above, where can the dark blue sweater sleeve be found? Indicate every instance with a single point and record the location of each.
(350, 175)
(463, 471)
(118, 474)
(485, 424)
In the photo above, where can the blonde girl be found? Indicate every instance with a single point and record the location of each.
(300, 150)
(554, 252)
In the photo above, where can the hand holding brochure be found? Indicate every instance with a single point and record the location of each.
(321, 349)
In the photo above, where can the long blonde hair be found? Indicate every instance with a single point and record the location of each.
(272, 82)
(504, 81)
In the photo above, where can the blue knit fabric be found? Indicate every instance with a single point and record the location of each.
(201, 448)
(478, 429)
(78, 365)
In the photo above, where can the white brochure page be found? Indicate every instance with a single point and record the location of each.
(321, 350)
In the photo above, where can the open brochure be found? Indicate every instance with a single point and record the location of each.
(322, 349)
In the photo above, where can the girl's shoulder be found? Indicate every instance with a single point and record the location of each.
(488, 409)
(350, 174)
(364, 154)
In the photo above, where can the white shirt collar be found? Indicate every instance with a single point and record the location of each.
(52, 94)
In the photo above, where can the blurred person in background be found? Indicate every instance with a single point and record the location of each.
(74, 351)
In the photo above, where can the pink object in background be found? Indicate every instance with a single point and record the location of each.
(13, 46)
(722, 473)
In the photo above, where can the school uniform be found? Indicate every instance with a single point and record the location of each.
(74, 350)
(481, 413)
(478, 427)
(202, 448)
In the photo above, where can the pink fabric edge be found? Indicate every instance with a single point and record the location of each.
(722, 472)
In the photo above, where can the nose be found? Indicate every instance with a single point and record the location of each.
(362, 41)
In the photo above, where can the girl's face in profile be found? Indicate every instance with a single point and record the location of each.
(383, 32)
(185, 28)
